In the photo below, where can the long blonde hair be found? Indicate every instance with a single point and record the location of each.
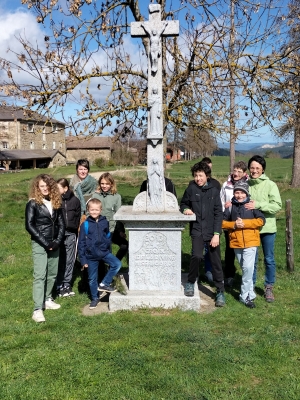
(108, 177)
(54, 195)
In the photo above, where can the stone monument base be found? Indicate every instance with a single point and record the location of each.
(136, 299)
(155, 278)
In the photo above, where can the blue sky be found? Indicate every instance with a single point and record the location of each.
(16, 19)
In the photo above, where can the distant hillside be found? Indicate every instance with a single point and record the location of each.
(284, 149)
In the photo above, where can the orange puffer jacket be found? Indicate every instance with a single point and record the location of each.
(240, 238)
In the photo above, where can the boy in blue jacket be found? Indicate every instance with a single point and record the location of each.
(94, 245)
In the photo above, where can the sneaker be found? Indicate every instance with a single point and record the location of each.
(38, 316)
(249, 303)
(209, 276)
(220, 299)
(189, 289)
(66, 291)
(269, 296)
(94, 304)
(228, 282)
(51, 305)
(106, 288)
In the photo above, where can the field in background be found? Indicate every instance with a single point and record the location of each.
(231, 353)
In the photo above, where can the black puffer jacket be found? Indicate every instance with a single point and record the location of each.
(71, 211)
(205, 202)
(43, 227)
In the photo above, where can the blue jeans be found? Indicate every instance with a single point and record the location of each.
(246, 258)
(268, 243)
(114, 267)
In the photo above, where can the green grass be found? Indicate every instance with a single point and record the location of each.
(231, 353)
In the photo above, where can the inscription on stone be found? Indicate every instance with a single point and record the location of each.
(154, 264)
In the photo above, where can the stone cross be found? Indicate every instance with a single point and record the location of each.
(155, 29)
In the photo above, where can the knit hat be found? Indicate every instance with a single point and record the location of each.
(241, 186)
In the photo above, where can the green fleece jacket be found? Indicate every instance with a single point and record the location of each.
(110, 205)
(267, 199)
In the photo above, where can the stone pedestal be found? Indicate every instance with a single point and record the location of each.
(154, 261)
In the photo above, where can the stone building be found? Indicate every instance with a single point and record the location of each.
(30, 140)
(79, 147)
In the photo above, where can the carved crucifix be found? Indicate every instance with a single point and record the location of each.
(155, 29)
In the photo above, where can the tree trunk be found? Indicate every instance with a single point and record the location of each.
(232, 91)
(296, 157)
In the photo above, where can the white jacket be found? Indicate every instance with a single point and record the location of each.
(226, 192)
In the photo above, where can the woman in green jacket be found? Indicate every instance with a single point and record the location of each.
(265, 197)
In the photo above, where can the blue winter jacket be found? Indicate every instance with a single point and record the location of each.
(95, 244)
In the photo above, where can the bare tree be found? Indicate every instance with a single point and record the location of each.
(282, 93)
(86, 60)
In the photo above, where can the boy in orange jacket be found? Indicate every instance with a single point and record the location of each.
(243, 227)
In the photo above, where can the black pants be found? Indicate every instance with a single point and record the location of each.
(229, 269)
(215, 259)
(121, 242)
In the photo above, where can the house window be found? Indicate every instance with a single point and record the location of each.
(44, 137)
(54, 128)
(5, 145)
(53, 146)
(32, 145)
(44, 146)
(30, 127)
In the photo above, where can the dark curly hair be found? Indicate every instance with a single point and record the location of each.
(201, 167)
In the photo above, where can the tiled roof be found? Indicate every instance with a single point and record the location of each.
(88, 142)
(28, 154)
(10, 113)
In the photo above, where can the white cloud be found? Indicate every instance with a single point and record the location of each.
(16, 24)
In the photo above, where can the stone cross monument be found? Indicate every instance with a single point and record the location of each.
(154, 222)
(156, 199)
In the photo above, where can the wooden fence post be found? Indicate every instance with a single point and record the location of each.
(289, 237)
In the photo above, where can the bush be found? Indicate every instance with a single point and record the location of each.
(111, 163)
(122, 156)
(100, 162)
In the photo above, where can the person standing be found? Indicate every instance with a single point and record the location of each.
(111, 201)
(71, 212)
(238, 175)
(44, 221)
(243, 226)
(202, 199)
(265, 197)
(215, 183)
(93, 246)
(83, 184)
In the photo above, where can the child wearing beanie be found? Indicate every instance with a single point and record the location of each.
(243, 226)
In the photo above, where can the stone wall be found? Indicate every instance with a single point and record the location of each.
(16, 135)
(90, 154)
(43, 137)
(9, 135)
(58, 160)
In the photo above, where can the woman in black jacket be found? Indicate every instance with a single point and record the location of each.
(44, 221)
(71, 211)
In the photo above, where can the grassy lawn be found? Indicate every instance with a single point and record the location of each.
(231, 353)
